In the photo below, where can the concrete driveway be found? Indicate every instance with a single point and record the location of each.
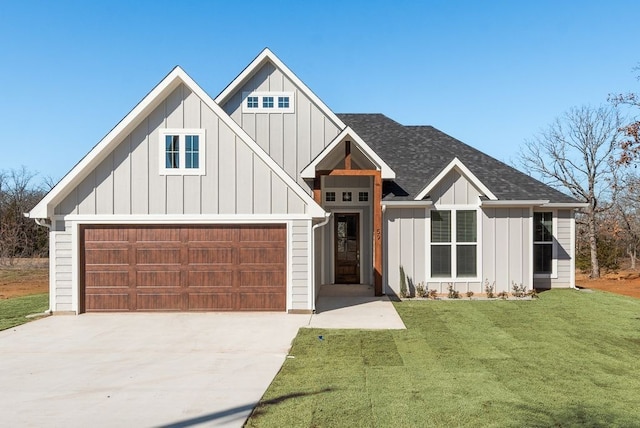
(176, 370)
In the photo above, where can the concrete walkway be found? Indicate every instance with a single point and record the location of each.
(354, 306)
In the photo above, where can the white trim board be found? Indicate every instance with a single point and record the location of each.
(456, 164)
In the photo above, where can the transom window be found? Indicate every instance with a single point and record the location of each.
(454, 248)
(542, 243)
(363, 196)
(346, 196)
(182, 151)
(330, 196)
(268, 102)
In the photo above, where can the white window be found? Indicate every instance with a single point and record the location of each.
(454, 244)
(182, 152)
(543, 243)
(268, 102)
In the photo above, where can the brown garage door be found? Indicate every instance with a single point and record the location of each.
(184, 268)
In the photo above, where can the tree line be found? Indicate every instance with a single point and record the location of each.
(591, 153)
(20, 236)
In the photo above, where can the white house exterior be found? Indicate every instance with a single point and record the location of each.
(252, 200)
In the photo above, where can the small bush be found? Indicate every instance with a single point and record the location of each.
(432, 294)
(403, 283)
(469, 294)
(489, 289)
(421, 291)
(453, 293)
(503, 295)
(533, 293)
(518, 290)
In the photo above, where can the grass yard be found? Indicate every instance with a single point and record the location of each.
(13, 311)
(567, 359)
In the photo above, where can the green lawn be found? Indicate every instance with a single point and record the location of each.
(13, 311)
(567, 359)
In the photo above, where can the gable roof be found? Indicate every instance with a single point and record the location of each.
(267, 56)
(386, 172)
(419, 153)
(176, 77)
(455, 165)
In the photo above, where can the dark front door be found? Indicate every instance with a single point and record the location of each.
(347, 248)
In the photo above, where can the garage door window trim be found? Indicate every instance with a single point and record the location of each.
(182, 152)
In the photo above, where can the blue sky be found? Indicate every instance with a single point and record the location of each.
(490, 73)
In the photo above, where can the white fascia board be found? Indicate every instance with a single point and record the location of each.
(91, 159)
(407, 204)
(183, 219)
(254, 66)
(522, 203)
(575, 205)
(456, 164)
(385, 170)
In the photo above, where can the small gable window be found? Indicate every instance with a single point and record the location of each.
(252, 102)
(268, 102)
(346, 196)
(363, 196)
(330, 196)
(182, 152)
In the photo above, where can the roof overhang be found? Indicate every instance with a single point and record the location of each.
(408, 204)
(456, 164)
(44, 209)
(386, 172)
(510, 203)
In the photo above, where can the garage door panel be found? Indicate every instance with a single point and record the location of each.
(158, 256)
(267, 279)
(106, 302)
(158, 234)
(257, 233)
(211, 255)
(218, 234)
(107, 256)
(158, 278)
(107, 234)
(261, 301)
(219, 279)
(159, 302)
(206, 301)
(107, 278)
(215, 267)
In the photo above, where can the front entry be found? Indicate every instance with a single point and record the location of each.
(347, 248)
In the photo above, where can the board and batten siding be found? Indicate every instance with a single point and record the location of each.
(127, 181)
(293, 140)
(455, 189)
(405, 232)
(563, 253)
(300, 273)
(506, 247)
(61, 255)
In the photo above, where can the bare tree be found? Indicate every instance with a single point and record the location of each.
(577, 153)
(630, 144)
(628, 216)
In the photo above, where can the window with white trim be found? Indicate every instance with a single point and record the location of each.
(182, 151)
(330, 196)
(268, 102)
(454, 244)
(542, 242)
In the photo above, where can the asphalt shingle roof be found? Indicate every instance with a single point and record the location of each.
(419, 153)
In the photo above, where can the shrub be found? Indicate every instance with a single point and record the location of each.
(469, 294)
(518, 290)
(533, 293)
(421, 291)
(432, 294)
(489, 289)
(453, 293)
(403, 283)
(503, 295)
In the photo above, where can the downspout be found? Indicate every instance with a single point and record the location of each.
(313, 257)
(43, 222)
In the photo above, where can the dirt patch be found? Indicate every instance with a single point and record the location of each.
(624, 282)
(24, 277)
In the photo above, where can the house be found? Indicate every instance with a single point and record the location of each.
(254, 199)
